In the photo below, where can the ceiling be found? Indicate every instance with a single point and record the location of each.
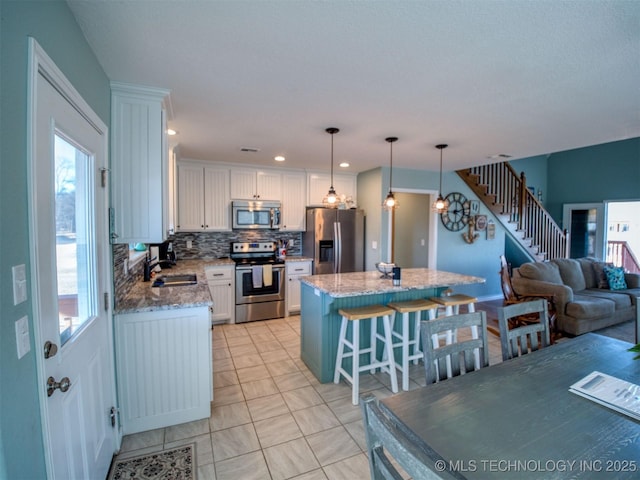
(487, 77)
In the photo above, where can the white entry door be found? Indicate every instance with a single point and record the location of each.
(70, 266)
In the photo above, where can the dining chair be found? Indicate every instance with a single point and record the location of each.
(524, 338)
(455, 357)
(385, 438)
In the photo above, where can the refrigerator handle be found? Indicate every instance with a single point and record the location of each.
(338, 243)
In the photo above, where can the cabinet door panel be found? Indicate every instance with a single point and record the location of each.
(295, 271)
(190, 194)
(146, 402)
(216, 199)
(293, 202)
(223, 301)
(268, 186)
(138, 164)
(243, 184)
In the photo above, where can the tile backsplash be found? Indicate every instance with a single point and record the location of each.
(217, 245)
(205, 245)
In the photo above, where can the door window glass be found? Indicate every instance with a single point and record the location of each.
(75, 249)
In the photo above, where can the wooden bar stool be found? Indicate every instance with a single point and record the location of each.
(452, 303)
(451, 306)
(355, 316)
(410, 339)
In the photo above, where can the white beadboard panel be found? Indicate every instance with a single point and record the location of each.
(216, 198)
(190, 194)
(164, 367)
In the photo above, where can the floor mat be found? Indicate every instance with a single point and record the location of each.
(174, 464)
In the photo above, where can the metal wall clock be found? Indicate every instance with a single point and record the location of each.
(457, 215)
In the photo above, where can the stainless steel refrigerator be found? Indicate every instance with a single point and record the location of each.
(334, 239)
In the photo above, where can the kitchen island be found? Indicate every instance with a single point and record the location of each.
(324, 295)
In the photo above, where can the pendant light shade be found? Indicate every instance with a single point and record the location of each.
(440, 205)
(390, 201)
(331, 198)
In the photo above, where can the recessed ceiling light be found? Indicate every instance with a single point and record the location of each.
(279, 158)
(344, 164)
(171, 131)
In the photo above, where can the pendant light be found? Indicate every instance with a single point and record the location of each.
(390, 202)
(440, 205)
(331, 198)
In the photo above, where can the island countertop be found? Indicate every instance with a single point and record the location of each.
(366, 283)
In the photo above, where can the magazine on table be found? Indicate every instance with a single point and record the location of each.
(611, 392)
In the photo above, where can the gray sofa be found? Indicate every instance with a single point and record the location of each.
(583, 300)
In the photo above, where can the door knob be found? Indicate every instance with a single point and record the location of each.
(50, 349)
(63, 385)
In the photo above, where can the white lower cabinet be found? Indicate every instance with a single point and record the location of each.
(295, 270)
(221, 280)
(164, 367)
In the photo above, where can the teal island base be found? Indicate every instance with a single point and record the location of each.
(320, 323)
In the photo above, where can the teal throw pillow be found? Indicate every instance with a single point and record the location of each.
(615, 277)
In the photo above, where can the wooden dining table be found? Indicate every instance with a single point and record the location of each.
(518, 419)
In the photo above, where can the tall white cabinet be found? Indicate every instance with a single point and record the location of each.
(139, 171)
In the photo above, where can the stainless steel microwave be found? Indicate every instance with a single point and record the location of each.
(255, 214)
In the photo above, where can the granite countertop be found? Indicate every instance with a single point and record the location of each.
(145, 298)
(297, 258)
(368, 283)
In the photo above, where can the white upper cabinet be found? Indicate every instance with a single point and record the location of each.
(217, 205)
(255, 184)
(139, 170)
(203, 197)
(190, 201)
(319, 183)
(293, 201)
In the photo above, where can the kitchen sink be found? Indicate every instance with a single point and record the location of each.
(175, 280)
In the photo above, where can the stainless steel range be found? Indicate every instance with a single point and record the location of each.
(259, 281)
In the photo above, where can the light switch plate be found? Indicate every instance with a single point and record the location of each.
(19, 274)
(22, 336)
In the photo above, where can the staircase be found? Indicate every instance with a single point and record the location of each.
(505, 193)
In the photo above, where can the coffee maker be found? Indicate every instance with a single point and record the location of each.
(166, 254)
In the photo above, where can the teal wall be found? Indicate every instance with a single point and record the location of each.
(453, 253)
(535, 170)
(53, 26)
(610, 171)
(480, 258)
(368, 200)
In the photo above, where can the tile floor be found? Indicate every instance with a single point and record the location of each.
(271, 418)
